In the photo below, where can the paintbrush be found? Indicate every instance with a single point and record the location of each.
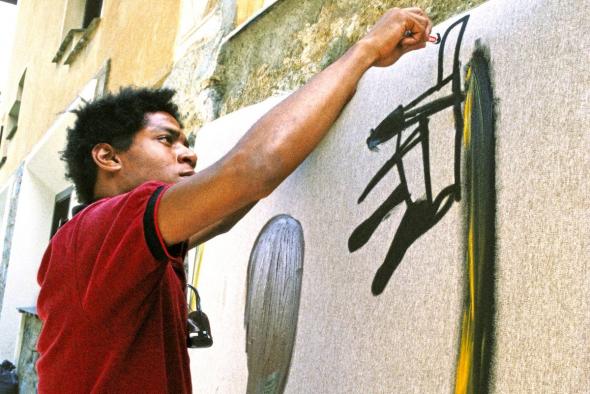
(432, 39)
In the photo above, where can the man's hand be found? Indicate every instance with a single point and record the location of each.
(387, 39)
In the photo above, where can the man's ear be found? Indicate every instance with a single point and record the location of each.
(106, 158)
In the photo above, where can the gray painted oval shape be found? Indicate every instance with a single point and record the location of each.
(273, 285)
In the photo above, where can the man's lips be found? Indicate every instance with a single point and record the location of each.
(187, 173)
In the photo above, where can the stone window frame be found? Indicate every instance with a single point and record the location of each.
(78, 28)
(14, 111)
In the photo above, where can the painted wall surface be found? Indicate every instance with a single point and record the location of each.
(406, 339)
(138, 38)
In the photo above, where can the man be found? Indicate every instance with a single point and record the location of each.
(112, 281)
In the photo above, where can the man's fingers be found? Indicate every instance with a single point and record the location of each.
(398, 31)
(419, 26)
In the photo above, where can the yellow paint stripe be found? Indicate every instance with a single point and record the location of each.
(465, 361)
(467, 113)
(471, 262)
(195, 279)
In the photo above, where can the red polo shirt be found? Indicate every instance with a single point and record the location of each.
(112, 302)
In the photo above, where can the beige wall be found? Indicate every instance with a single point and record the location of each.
(138, 38)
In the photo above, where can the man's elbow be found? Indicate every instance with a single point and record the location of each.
(263, 172)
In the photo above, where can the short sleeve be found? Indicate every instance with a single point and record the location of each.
(153, 237)
(119, 252)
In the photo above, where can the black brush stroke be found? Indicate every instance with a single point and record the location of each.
(363, 232)
(420, 216)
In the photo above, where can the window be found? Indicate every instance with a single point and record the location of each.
(91, 10)
(14, 112)
(79, 14)
(61, 210)
(80, 21)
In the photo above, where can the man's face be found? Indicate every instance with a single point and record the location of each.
(159, 152)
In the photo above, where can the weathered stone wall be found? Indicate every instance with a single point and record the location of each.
(192, 75)
(27, 375)
(295, 40)
(277, 51)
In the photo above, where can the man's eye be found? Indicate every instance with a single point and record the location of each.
(165, 138)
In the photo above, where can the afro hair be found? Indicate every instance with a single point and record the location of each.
(113, 119)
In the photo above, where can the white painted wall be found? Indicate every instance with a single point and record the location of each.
(43, 179)
(31, 233)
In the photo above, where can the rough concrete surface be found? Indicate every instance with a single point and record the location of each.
(405, 340)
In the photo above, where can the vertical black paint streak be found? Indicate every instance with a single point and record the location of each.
(480, 210)
(421, 215)
(426, 157)
(400, 167)
(272, 303)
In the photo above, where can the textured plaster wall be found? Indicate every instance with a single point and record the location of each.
(406, 339)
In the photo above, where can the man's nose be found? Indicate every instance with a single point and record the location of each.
(187, 155)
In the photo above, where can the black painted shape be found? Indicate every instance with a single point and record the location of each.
(399, 120)
(394, 123)
(401, 117)
(419, 217)
(363, 232)
(422, 215)
(389, 164)
(426, 157)
(481, 193)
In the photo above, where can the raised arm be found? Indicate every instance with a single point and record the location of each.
(286, 135)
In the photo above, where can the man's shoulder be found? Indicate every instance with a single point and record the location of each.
(139, 194)
(103, 211)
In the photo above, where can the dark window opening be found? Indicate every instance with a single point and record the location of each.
(14, 112)
(91, 11)
(61, 210)
(3, 149)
